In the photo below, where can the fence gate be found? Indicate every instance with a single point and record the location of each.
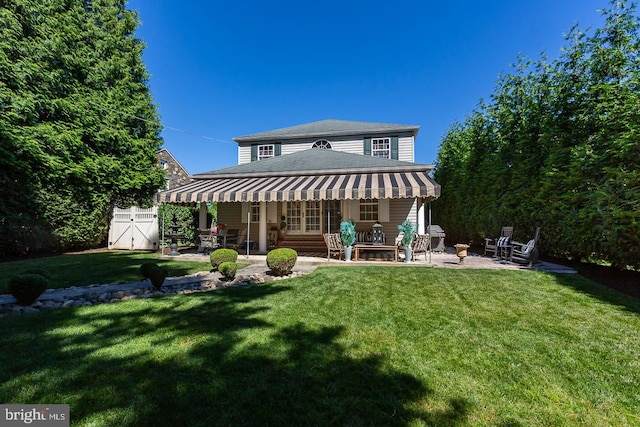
(134, 229)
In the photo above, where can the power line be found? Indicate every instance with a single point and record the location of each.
(163, 126)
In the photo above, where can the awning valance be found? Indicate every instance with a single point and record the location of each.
(387, 185)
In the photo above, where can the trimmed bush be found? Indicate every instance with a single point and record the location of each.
(228, 269)
(157, 276)
(41, 271)
(146, 268)
(219, 256)
(26, 288)
(281, 261)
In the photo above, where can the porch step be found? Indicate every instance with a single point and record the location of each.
(303, 243)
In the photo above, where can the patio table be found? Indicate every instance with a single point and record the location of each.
(363, 247)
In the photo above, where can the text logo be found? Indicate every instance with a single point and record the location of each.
(34, 415)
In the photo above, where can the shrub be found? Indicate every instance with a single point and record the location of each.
(146, 268)
(281, 261)
(222, 255)
(228, 269)
(26, 288)
(157, 276)
(40, 271)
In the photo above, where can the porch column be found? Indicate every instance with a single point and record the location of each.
(421, 227)
(202, 220)
(262, 229)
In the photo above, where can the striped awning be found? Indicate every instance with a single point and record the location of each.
(383, 185)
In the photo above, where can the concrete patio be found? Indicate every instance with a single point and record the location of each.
(447, 259)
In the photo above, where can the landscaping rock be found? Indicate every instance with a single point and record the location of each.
(90, 295)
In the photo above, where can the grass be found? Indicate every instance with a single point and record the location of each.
(96, 267)
(403, 346)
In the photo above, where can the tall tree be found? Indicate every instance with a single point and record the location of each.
(558, 146)
(78, 130)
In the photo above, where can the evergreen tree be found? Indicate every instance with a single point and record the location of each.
(78, 130)
(558, 146)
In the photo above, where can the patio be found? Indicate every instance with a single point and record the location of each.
(446, 259)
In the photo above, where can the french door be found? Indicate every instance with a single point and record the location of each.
(304, 217)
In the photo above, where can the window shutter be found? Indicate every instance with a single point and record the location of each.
(354, 210)
(394, 147)
(367, 147)
(383, 210)
(245, 212)
(254, 152)
(277, 148)
(272, 213)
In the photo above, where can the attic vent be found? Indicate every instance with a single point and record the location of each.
(322, 143)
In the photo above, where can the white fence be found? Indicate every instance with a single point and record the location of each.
(134, 229)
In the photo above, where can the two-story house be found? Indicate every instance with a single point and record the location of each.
(313, 175)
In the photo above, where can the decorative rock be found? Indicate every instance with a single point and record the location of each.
(96, 294)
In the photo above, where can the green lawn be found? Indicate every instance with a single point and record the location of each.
(342, 346)
(96, 267)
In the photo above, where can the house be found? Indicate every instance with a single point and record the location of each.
(313, 175)
(136, 228)
(175, 174)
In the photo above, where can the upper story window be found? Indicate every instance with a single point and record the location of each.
(381, 147)
(322, 143)
(163, 164)
(265, 151)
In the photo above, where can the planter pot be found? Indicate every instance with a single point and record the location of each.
(461, 250)
(347, 252)
(407, 254)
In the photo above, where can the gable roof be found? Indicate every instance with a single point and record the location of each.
(312, 162)
(327, 128)
(173, 158)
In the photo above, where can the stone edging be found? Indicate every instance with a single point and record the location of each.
(81, 296)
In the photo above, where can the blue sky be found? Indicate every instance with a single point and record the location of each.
(222, 69)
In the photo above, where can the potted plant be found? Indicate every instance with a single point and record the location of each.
(408, 231)
(348, 237)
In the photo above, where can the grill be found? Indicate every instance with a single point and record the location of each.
(437, 238)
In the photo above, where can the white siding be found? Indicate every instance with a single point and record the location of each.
(406, 148)
(348, 144)
(399, 210)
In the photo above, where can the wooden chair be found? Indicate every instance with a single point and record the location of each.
(491, 245)
(229, 236)
(526, 253)
(237, 240)
(334, 245)
(420, 245)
